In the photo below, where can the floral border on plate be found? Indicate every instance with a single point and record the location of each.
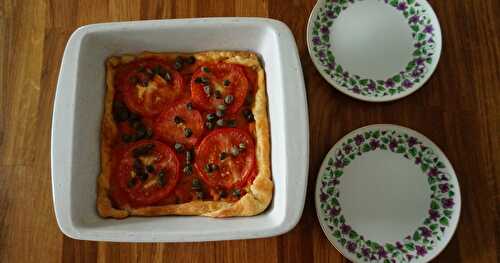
(422, 33)
(441, 209)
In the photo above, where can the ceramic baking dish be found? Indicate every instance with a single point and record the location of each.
(78, 109)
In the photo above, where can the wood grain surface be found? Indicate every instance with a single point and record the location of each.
(459, 109)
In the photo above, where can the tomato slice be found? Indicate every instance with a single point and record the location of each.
(149, 85)
(226, 158)
(147, 172)
(212, 83)
(179, 123)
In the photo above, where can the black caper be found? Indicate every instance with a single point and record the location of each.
(178, 147)
(222, 193)
(156, 70)
(188, 132)
(149, 72)
(204, 80)
(214, 167)
(143, 176)
(167, 76)
(226, 82)
(198, 80)
(209, 125)
(190, 60)
(178, 119)
(205, 69)
(131, 183)
(199, 195)
(248, 115)
(150, 168)
(141, 133)
(235, 151)
(189, 155)
(207, 168)
(161, 180)
(220, 122)
(120, 111)
(229, 99)
(161, 173)
(144, 82)
(248, 100)
(178, 63)
(188, 169)
(242, 146)
(231, 123)
(222, 156)
(189, 106)
(219, 113)
(196, 184)
(211, 117)
(137, 166)
(217, 94)
(221, 107)
(237, 192)
(207, 90)
(143, 150)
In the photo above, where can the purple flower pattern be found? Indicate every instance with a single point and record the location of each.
(437, 217)
(423, 34)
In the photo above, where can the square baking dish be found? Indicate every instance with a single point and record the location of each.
(78, 109)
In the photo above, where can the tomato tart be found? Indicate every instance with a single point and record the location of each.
(185, 134)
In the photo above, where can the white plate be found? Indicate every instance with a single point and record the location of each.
(78, 110)
(386, 193)
(374, 50)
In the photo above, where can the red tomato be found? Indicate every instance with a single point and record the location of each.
(212, 83)
(179, 124)
(147, 172)
(226, 158)
(149, 85)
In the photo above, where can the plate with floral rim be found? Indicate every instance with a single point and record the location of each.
(386, 193)
(374, 50)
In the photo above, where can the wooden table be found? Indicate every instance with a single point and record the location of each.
(459, 109)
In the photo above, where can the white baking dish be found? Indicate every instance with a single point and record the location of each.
(78, 108)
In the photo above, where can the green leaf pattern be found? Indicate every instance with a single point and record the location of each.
(424, 43)
(423, 239)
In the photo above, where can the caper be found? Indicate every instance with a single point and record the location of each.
(198, 80)
(188, 132)
(242, 146)
(199, 195)
(131, 183)
(150, 168)
(188, 169)
(214, 167)
(149, 133)
(220, 122)
(237, 192)
(222, 156)
(221, 107)
(207, 168)
(211, 117)
(178, 63)
(167, 76)
(219, 113)
(189, 155)
(189, 106)
(231, 123)
(178, 147)
(207, 90)
(144, 82)
(248, 115)
(196, 184)
(226, 82)
(178, 119)
(222, 193)
(229, 99)
(205, 69)
(190, 60)
(209, 125)
(235, 151)
(217, 94)
(143, 176)
(143, 150)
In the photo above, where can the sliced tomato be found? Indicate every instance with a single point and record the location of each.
(179, 124)
(147, 172)
(148, 85)
(226, 158)
(212, 83)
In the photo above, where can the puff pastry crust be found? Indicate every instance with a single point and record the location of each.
(258, 194)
